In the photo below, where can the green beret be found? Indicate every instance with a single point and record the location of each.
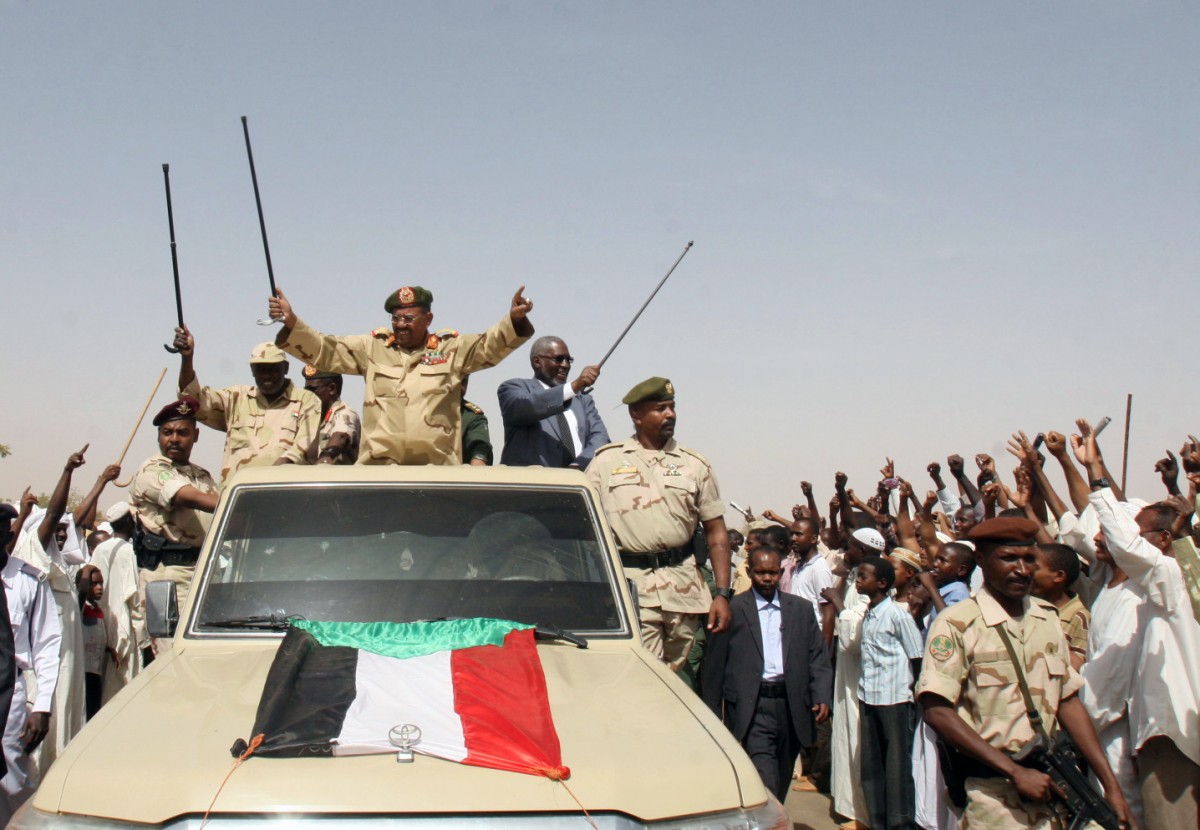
(408, 297)
(653, 389)
(312, 373)
(1005, 531)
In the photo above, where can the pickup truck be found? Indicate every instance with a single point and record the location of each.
(402, 544)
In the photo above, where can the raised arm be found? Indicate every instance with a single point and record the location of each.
(57, 508)
(1079, 443)
(85, 513)
(967, 487)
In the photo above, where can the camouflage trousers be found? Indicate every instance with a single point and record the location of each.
(669, 634)
(993, 804)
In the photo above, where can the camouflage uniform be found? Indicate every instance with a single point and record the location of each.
(967, 664)
(340, 418)
(1075, 620)
(653, 500)
(477, 439)
(411, 400)
(259, 432)
(152, 498)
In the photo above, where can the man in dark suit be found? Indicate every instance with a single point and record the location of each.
(548, 421)
(768, 674)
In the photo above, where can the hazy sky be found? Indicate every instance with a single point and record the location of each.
(918, 226)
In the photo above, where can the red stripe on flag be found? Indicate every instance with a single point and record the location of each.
(500, 695)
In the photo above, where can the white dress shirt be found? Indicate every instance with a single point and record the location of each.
(572, 421)
(808, 580)
(37, 633)
(769, 618)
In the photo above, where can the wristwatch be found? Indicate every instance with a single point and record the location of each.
(727, 593)
(1100, 483)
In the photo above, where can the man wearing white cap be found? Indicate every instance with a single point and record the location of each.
(272, 422)
(851, 607)
(124, 617)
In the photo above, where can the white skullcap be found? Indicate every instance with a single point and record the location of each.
(104, 527)
(117, 512)
(870, 537)
(942, 537)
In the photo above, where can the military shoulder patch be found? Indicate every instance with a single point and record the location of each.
(470, 407)
(607, 447)
(941, 648)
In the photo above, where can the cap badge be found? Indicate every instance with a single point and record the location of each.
(670, 388)
(183, 409)
(405, 295)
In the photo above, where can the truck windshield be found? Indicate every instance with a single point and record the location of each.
(402, 553)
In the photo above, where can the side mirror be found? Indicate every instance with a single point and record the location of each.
(162, 609)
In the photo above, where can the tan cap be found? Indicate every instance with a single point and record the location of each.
(267, 353)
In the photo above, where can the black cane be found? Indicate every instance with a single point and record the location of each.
(661, 283)
(262, 224)
(174, 256)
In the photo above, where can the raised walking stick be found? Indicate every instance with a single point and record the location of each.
(661, 283)
(262, 224)
(129, 441)
(174, 259)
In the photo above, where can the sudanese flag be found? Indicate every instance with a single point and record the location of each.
(473, 687)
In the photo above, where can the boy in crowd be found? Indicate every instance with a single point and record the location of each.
(891, 651)
(1057, 568)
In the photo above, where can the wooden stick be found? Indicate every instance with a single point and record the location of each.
(137, 426)
(1125, 454)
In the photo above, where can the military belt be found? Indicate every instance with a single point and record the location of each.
(656, 559)
(179, 557)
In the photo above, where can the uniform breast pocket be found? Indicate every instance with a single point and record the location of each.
(435, 380)
(994, 673)
(242, 435)
(679, 488)
(385, 381)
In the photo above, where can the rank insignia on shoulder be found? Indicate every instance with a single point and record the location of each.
(624, 470)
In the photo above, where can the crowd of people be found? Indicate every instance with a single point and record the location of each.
(974, 626)
(915, 658)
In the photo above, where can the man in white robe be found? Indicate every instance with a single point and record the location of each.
(52, 543)
(124, 617)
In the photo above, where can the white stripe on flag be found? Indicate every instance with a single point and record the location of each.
(392, 692)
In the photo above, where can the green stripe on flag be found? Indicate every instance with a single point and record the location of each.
(405, 640)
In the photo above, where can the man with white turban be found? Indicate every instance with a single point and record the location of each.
(124, 617)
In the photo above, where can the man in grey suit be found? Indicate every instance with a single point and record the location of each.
(768, 674)
(548, 421)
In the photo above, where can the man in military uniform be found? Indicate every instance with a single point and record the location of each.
(272, 422)
(972, 697)
(413, 396)
(172, 499)
(476, 437)
(654, 491)
(340, 428)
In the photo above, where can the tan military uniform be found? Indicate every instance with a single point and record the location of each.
(967, 664)
(411, 400)
(653, 500)
(259, 433)
(152, 498)
(1075, 620)
(341, 419)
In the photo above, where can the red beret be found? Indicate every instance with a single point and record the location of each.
(186, 407)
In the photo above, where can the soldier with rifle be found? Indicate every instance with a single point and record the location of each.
(996, 684)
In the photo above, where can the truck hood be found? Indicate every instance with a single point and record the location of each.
(168, 735)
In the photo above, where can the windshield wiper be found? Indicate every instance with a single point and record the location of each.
(545, 631)
(272, 622)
